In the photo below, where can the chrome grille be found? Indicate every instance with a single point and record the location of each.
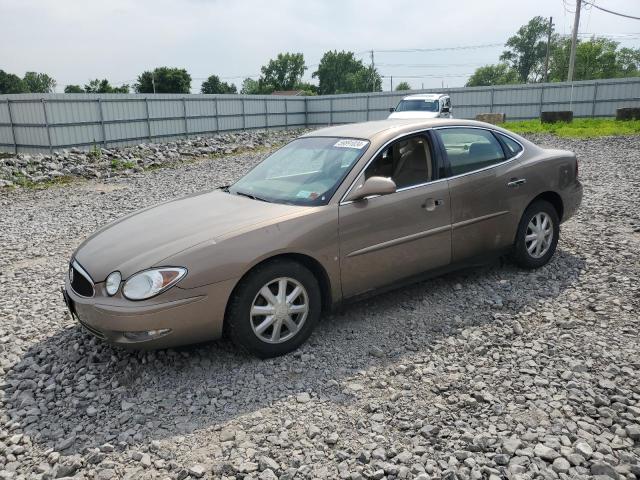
(80, 280)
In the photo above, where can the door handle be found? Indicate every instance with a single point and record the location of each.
(516, 182)
(430, 204)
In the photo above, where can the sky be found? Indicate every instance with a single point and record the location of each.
(78, 40)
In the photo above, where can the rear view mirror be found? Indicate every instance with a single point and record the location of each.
(372, 186)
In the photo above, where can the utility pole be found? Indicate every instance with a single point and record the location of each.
(373, 73)
(153, 82)
(546, 58)
(574, 40)
(391, 83)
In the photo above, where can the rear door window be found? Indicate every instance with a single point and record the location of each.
(512, 147)
(470, 149)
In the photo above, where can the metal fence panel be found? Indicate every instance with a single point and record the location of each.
(44, 122)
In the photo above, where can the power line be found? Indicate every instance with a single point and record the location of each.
(611, 11)
(439, 49)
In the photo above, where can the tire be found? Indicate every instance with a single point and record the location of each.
(534, 253)
(245, 320)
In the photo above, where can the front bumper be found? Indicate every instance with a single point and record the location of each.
(185, 316)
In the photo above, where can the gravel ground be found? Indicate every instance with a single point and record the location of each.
(492, 372)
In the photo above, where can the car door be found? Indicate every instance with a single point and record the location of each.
(388, 238)
(484, 204)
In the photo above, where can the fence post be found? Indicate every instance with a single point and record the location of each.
(541, 101)
(184, 111)
(244, 120)
(595, 99)
(266, 114)
(146, 108)
(286, 114)
(104, 135)
(491, 100)
(13, 130)
(306, 112)
(331, 111)
(215, 111)
(46, 122)
(368, 96)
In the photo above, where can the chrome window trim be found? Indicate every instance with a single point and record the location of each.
(84, 273)
(432, 182)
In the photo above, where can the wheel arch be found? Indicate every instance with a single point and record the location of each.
(314, 266)
(553, 198)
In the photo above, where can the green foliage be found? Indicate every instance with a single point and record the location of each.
(39, 82)
(498, 74)
(73, 89)
(250, 87)
(341, 72)
(95, 152)
(119, 164)
(166, 80)
(213, 84)
(103, 86)
(595, 58)
(579, 128)
(526, 50)
(10, 83)
(403, 86)
(282, 73)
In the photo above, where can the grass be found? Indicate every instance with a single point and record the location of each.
(118, 164)
(22, 181)
(579, 128)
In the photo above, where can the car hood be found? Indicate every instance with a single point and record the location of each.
(144, 238)
(414, 114)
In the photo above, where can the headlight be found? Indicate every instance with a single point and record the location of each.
(113, 282)
(146, 284)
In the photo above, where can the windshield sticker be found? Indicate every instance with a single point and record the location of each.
(303, 194)
(348, 143)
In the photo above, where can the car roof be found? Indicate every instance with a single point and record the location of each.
(392, 127)
(425, 96)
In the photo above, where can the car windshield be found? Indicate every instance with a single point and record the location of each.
(306, 171)
(418, 106)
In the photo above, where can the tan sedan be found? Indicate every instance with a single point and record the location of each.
(338, 213)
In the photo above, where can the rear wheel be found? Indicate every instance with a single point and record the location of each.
(537, 235)
(275, 308)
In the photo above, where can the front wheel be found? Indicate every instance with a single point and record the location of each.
(274, 309)
(537, 235)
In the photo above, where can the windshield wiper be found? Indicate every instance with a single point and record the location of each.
(249, 195)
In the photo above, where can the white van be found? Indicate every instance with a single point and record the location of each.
(423, 105)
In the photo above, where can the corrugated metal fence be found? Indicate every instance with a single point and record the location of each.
(35, 122)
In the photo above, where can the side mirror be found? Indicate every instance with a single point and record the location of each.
(446, 109)
(372, 186)
(392, 109)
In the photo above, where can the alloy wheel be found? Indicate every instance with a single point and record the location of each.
(539, 235)
(279, 310)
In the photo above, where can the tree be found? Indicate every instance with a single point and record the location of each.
(499, 74)
(213, 84)
(10, 83)
(282, 73)
(38, 82)
(403, 86)
(526, 50)
(250, 87)
(103, 86)
(595, 58)
(341, 72)
(73, 89)
(165, 79)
